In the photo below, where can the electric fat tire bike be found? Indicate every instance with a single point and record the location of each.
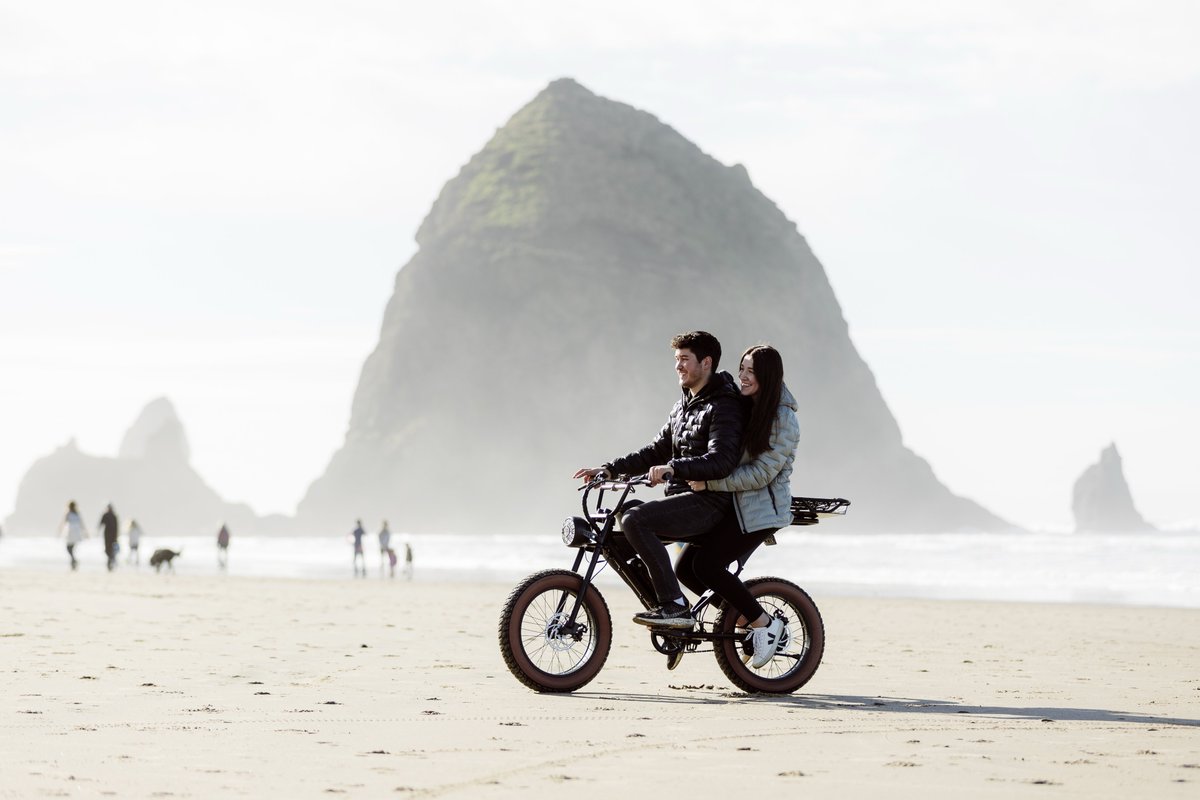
(556, 630)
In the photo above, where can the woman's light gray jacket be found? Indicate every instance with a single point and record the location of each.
(762, 484)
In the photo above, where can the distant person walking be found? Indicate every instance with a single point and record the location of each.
(360, 560)
(385, 546)
(408, 561)
(74, 530)
(135, 539)
(110, 527)
(223, 547)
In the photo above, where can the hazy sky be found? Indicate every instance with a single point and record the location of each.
(210, 201)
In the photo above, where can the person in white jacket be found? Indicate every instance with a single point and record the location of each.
(135, 539)
(74, 530)
(762, 499)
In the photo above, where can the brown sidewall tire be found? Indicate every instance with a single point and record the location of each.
(770, 679)
(594, 612)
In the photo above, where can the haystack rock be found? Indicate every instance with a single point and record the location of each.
(528, 336)
(1102, 501)
(151, 481)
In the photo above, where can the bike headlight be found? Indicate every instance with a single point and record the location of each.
(576, 532)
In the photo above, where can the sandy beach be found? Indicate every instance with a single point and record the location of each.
(144, 685)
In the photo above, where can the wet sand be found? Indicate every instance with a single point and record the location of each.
(144, 685)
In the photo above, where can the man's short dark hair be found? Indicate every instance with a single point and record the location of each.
(702, 344)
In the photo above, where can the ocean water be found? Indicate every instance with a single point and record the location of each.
(1160, 569)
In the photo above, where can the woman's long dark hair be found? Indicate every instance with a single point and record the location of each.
(768, 371)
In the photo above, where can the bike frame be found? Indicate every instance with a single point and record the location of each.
(602, 523)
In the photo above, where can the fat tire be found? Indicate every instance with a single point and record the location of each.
(807, 631)
(521, 649)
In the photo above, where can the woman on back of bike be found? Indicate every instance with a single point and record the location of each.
(763, 499)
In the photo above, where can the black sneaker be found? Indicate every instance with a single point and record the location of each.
(671, 615)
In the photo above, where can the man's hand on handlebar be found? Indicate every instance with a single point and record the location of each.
(659, 474)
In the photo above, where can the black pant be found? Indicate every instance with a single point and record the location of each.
(704, 564)
(680, 517)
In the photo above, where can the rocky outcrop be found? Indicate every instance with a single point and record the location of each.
(528, 335)
(151, 481)
(1101, 500)
(157, 435)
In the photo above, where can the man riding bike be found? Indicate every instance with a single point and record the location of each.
(701, 441)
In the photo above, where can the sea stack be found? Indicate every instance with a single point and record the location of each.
(156, 434)
(528, 336)
(1102, 501)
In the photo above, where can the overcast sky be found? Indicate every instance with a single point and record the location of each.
(210, 201)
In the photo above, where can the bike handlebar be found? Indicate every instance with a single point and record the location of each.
(615, 481)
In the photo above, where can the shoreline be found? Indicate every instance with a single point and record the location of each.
(1157, 571)
(201, 686)
(608, 583)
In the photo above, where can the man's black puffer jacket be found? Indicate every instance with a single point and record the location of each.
(701, 441)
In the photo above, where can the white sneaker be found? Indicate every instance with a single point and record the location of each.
(765, 641)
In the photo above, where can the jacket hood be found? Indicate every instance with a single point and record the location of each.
(786, 399)
(719, 384)
(728, 384)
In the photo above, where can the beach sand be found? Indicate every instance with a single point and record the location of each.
(144, 685)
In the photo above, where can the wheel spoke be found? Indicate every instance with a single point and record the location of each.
(555, 654)
(542, 646)
(801, 644)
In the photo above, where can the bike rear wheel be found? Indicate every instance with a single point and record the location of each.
(538, 646)
(802, 644)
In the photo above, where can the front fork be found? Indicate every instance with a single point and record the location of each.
(627, 565)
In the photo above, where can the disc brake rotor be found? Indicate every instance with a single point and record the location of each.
(555, 639)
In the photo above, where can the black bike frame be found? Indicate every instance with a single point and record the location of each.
(602, 522)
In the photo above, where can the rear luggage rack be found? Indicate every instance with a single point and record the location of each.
(806, 509)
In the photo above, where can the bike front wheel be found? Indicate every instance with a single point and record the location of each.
(800, 649)
(542, 648)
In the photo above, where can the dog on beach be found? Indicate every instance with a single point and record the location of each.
(163, 556)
